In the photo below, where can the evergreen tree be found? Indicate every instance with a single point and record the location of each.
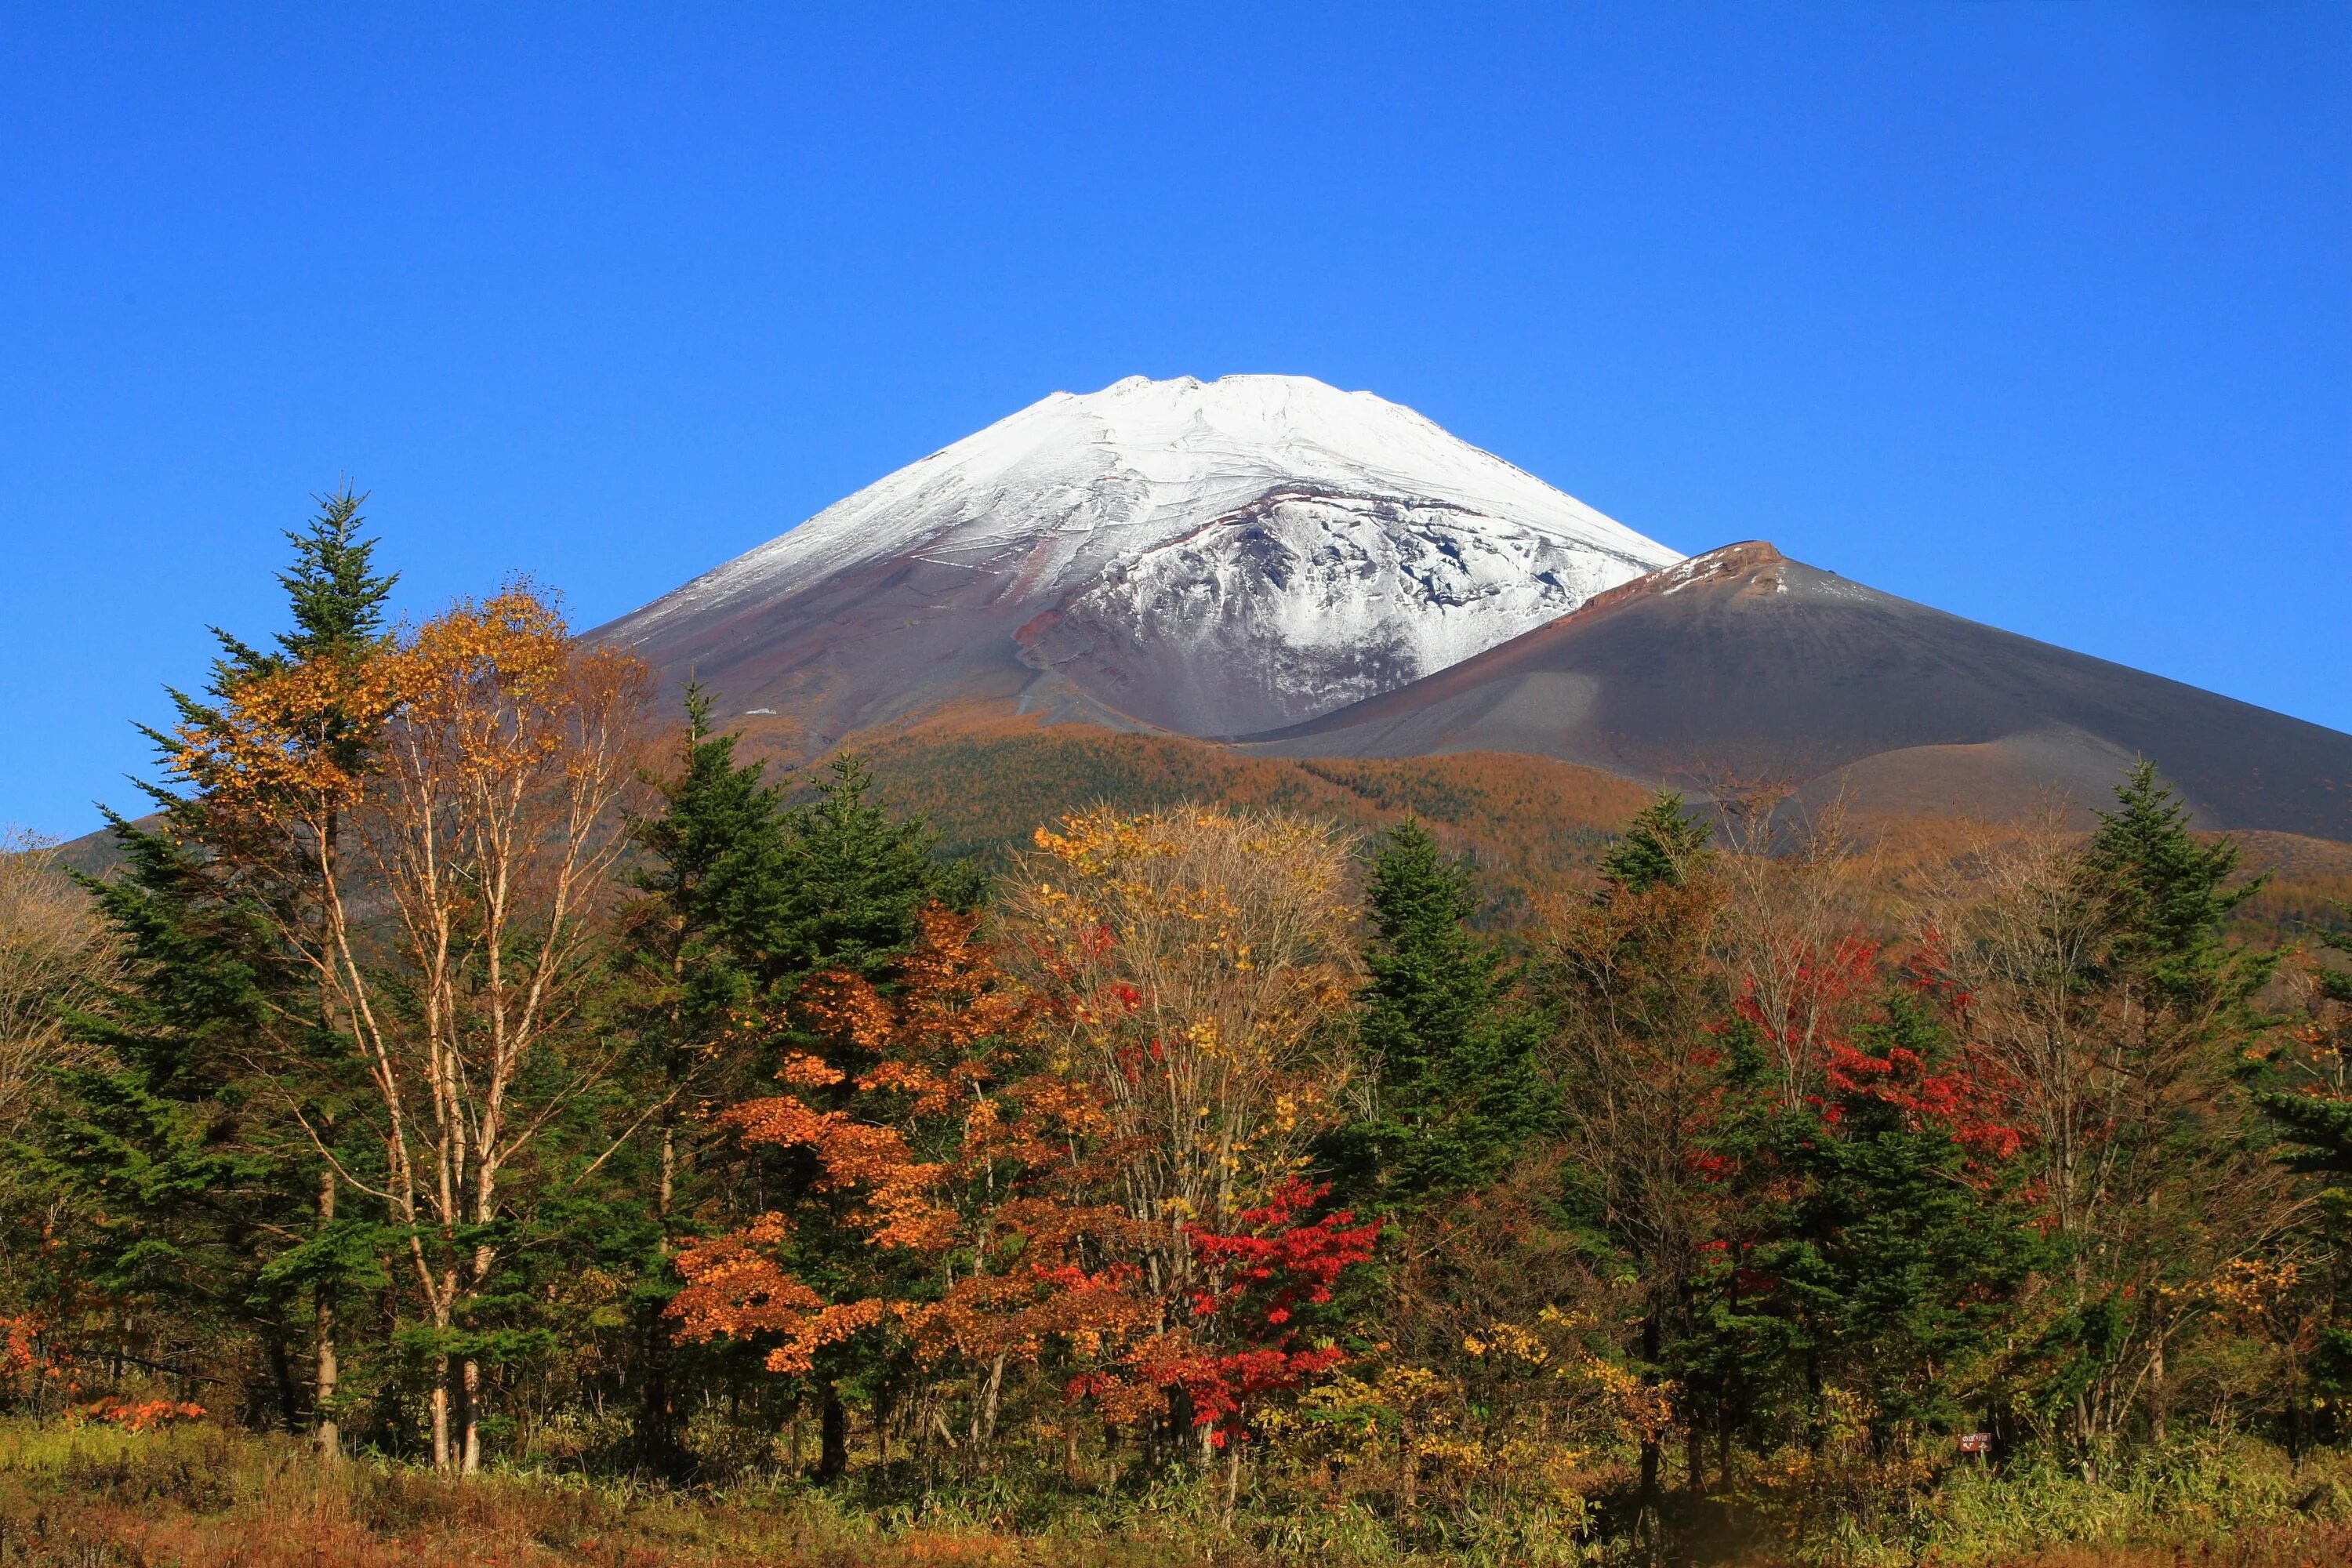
(851, 879)
(217, 1029)
(2171, 899)
(1901, 1248)
(711, 879)
(2318, 1127)
(2163, 1018)
(1660, 846)
(1458, 1089)
(747, 898)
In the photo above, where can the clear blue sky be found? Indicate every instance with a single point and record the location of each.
(2041, 313)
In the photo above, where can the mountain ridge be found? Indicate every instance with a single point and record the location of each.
(1743, 666)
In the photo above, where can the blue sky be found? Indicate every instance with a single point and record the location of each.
(2040, 313)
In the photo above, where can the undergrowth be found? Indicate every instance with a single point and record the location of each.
(200, 1496)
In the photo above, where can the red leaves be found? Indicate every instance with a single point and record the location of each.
(1281, 1258)
(1818, 990)
(1276, 1260)
(1956, 1100)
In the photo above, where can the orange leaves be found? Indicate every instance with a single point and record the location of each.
(944, 1157)
(280, 740)
(810, 1072)
(501, 683)
(143, 1415)
(734, 1289)
(847, 1010)
(20, 1348)
(497, 675)
(875, 1162)
(497, 704)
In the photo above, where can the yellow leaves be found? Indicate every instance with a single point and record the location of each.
(1197, 961)
(2254, 1293)
(1508, 1340)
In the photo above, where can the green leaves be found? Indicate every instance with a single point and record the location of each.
(1660, 847)
(1459, 1094)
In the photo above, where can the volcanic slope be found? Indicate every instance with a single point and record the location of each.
(1208, 558)
(1741, 667)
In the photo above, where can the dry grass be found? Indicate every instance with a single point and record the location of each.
(199, 1498)
(90, 1497)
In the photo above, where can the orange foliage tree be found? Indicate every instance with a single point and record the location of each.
(958, 1164)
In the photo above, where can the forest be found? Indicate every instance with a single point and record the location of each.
(482, 1094)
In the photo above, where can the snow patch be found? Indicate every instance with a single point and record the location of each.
(1059, 492)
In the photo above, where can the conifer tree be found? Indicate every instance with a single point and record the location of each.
(1660, 847)
(2318, 1126)
(748, 899)
(200, 907)
(2171, 896)
(1902, 1246)
(714, 858)
(851, 881)
(1458, 1089)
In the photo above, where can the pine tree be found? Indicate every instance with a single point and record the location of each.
(711, 878)
(2317, 1127)
(851, 881)
(1458, 1089)
(1902, 1246)
(747, 899)
(211, 992)
(1660, 847)
(2164, 1016)
(2171, 900)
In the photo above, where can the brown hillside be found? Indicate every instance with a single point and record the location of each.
(986, 783)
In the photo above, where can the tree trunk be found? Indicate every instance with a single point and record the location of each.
(329, 1435)
(1232, 1476)
(983, 1420)
(472, 1392)
(281, 1374)
(657, 1444)
(1648, 1500)
(441, 1415)
(833, 1438)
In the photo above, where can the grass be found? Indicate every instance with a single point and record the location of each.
(200, 1496)
(94, 1497)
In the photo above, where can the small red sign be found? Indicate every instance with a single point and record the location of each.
(1976, 1442)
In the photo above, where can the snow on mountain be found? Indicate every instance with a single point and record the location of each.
(1212, 557)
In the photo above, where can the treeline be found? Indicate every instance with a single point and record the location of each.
(468, 1066)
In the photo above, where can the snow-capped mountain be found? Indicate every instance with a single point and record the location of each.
(1207, 557)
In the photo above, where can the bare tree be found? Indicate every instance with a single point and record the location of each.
(2133, 1125)
(1792, 937)
(55, 956)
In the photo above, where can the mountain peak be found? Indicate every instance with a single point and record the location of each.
(1205, 556)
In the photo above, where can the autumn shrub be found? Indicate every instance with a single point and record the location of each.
(2200, 1500)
